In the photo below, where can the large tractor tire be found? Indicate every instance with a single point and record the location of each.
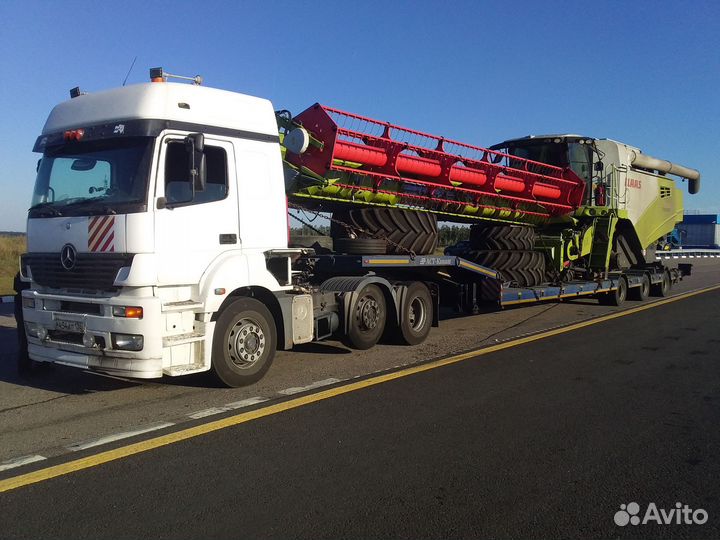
(361, 246)
(522, 267)
(487, 237)
(406, 230)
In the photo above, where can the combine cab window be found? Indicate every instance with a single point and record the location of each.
(580, 160)
(561, 154)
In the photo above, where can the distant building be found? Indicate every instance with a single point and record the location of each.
(700, 231)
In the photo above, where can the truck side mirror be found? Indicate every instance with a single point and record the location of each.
(195, 146)
(599, 166)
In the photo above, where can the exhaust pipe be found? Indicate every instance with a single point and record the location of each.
(648, 162)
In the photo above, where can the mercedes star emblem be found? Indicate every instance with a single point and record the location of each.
(68, 256)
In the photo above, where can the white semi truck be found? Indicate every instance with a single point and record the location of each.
(158, 237)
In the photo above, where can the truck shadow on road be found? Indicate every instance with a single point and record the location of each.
(321, 348)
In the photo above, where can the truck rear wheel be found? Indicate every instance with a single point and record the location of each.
(642, 292)
(416, 314)
(244, 343)
(616, 297)
(662, 288)
(366, 322)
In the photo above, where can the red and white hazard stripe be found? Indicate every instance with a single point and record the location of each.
(101, 234)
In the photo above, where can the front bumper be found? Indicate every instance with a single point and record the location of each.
(92, 316)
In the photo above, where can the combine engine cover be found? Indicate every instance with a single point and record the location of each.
(350, 158)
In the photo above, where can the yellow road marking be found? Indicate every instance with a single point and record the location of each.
(188, 433)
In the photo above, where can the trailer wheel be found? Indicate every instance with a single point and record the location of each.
(616, 297)
(244, 343)
(416, 314)
(367, 320)
(642, 292)
(662, 288)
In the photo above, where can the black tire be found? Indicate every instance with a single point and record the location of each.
(642, 292)
(663, 288)
(366, 322)
(416, 314)
(525, 268)
(244, 343)
(360, 246)
(616, 297)
(406, 230)
(490, 237)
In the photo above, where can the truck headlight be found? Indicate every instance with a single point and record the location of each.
(36, 331)
(127, 342)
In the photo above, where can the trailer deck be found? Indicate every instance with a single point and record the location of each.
(478, 283)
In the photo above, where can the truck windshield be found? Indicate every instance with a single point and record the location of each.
(94, 177)
(562, 154)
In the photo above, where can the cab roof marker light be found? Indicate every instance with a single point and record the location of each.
(76, 92)
(158, 74)
(74, 134)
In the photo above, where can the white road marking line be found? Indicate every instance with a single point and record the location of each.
(117, 436)
(228, 407)
(317, 384)
(17, 462)
(207, 412)
(246, 402)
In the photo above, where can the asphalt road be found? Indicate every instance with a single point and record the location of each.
(544, 439)
(61, 410)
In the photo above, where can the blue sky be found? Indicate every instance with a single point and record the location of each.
(645, 73)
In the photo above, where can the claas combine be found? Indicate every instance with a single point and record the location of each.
(540, 208)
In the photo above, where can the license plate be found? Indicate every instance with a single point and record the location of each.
(69, 326)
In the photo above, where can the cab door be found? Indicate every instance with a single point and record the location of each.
(194, 227)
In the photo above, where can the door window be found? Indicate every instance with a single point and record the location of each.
(178, 183)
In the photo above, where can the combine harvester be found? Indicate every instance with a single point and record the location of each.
(556, 207)
(158, 233)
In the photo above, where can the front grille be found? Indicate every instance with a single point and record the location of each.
(65, 337)
(80, 307)
(94, 271)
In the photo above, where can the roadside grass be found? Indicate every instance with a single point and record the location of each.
(10, 249)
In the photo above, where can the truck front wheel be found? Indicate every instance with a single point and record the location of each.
(244, 343)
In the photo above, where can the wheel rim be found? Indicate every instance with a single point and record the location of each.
(246, 343)
(417, 314)
(368, 313)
